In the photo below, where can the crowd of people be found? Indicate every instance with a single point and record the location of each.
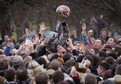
(55, 57)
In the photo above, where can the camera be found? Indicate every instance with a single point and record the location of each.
(64, 24)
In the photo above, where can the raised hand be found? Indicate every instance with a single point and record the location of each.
(10, 40)
(42, 26)
(43, 43)
(84, 27)
(31, 48)
(69, 43)
(27, 32)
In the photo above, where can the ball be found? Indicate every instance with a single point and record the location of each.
(63, 11)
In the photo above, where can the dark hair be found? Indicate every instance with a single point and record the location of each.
(20, 40)
(1, 80)
(105, 65)
(107, 74)
(57, 76)
(95, 59)
(10, 74)
(89, 57)
(114, 39)
(118, 69)
(69, 63)
(41, 78)
(110, 60)
(64, 68)
(66, 56)
(41, 61)
(90, 79)
(96, 50)
(119, 61)
(108, 82)
(104, 30)
(102, 53)
(63, 82)
(112, 54)
(3, 64)
(70, 82)
(118, 49)
(102, 42)
(107, 47)
(21, 73)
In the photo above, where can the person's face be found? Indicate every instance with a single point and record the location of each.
(60, 49)
(120, 30)
(104, 34)
(100, 71)
(90, 32)
(74, 32)
(98, 44)
(27, 30)
(34, 31)
(6, 38)
(92, 51)
(77, 46)
(110, 41)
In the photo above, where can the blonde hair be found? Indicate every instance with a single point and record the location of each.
(34, 68)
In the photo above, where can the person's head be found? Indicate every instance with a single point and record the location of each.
(34, 67)
(102, 68)
(107, 74)
(92, 51)
(74, 32)
(55, 64)
(111, 41)
(20, 40)
(69, 62)
(59, 22)
(63, 82)
(10, 60)
(101, 17)
(22, 74)
(118, 70)
(119, 30)
(119, 61)
(41, 61)
(3, 64)
(102, 53)
(93, 18)
(10, 74)
(27, 29)
(60, 49)
(27, 59)
(108, 82)
(17, 62)
(90, 32)
(34, 31)
(78, 45)
(90, 79)
(6, 37)
(1, 80)
(95, 59)
(66, 56)
(99, 44)
(104, 33)
(57, 76)
(110, 60)
(118, 51)
(41, 78)
(50, 73)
